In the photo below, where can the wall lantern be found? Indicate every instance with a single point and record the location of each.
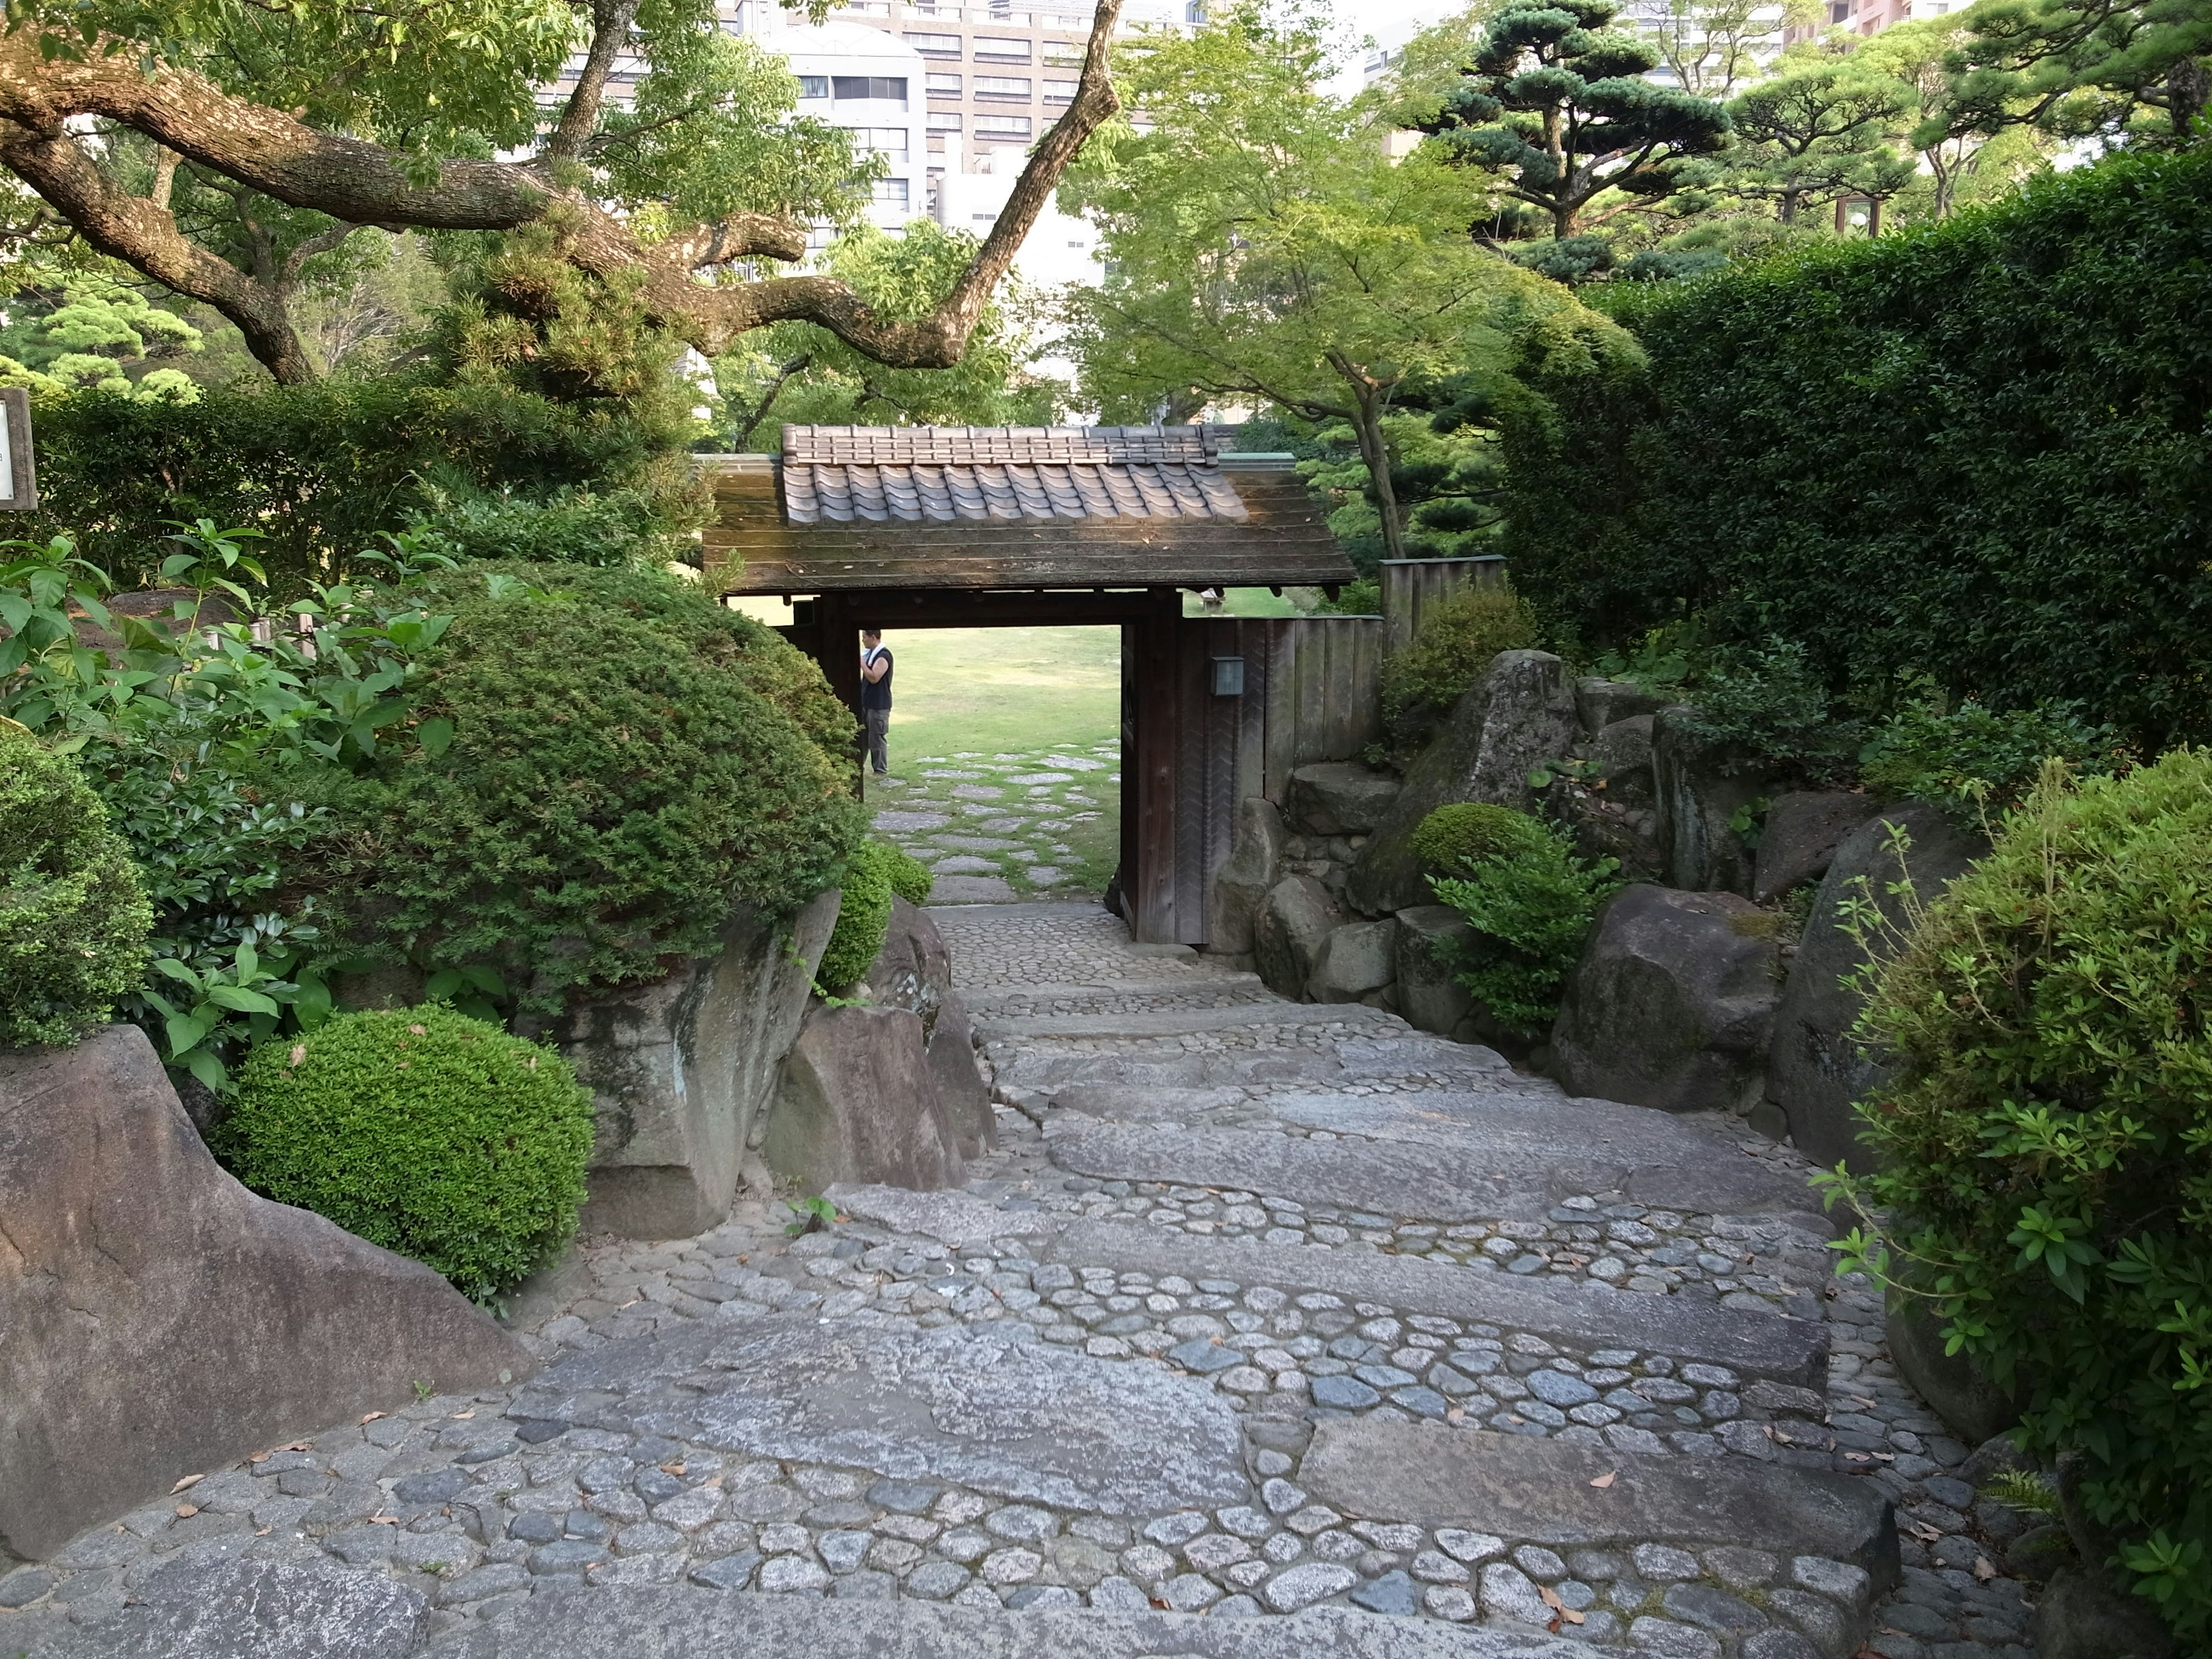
(1229, 677)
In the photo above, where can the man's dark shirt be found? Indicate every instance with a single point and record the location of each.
(877, 694)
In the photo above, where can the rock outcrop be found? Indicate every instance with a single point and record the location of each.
(1430, 995)
(1700, 786)
(1355, 961)
(914, 971)
(160, 1319)
(681, 1071)
(1798, 842)
(1672, 1005)
(1286, 941)
(1241, 886)
(1340, 798)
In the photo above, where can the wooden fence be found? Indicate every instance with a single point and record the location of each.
(1409, 585)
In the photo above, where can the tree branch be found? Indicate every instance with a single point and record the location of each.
(580, 118)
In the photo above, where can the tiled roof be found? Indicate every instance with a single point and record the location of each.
(845, 475)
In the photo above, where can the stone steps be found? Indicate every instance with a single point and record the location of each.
(1185, 1022)
(1194, 986)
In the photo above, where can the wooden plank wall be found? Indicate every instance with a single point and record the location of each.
(1411, 584)
(1312, 692)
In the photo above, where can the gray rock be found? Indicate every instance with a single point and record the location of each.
(253, 1609)
(1798, 842)
(955, 1219)
(1760, 1344)
(1339, 798)
(1815, 1069)
(1354, 959)
(914, 971)
(1177, 1022)
(1622, 750)
(961, 1089)
(1241, 886)
(161, 1320)
(681, 1070)
(1601, 702)
(858, 1104)
(2082, 1614)
(1697, 794)
(971, 889)
(1430, 995)
(1022, 1420)
(1672, 1005)
(1287, 936)
(1540, 1490)
(1520, 713)
(1780, 1643)
(1955, 1387)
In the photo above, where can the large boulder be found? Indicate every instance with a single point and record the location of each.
(1430, 995)
(859, 1103)
(1954, 1385)
(1700, 787)
(157, 1320)
(1798, 842)
(1339, 798)
(1520, 713)
(2082, 1614)
(1354, 962)
(1241, 886)
(1600, 702)
(1673, 1003)
(1815, 1069)
(682, 1069)
(914, 971)
(1286, 940)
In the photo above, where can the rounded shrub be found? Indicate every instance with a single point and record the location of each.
(1451, 839)
(440, 1137)
(2045, 1141)
(875, 873)
(73, 919)
(1454, 644)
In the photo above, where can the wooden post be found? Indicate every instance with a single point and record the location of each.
(1151, 884)
(840, 666)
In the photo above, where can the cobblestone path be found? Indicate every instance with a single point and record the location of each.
(1040, 824)
(1268, 1329)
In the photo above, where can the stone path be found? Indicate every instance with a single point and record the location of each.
(1269, 1330)
(1003, 826)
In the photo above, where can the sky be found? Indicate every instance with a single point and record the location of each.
(1391, 23)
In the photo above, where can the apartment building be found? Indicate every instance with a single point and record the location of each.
(1869, 16)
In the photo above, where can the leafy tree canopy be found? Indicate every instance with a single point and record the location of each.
(88, 334)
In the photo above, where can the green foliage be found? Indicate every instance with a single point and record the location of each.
(1453, 649)
(1452, 839)
(1532, 908)
(864, 914)
(2046, 1141)
(322, 472)
(73, 921)
(436, 1135)
(910, 877)
(1766, 705)
(610, 760)
(1973, 761)
(86, 334)
(1361, 599)
(1978, 449)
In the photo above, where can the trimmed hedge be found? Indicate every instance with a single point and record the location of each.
(875, 873)
(73, 919)
(440, 1137)
(1978, 450)
(1451, 839)
(2045, 1142)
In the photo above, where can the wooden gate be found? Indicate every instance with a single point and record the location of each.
(1411, 586)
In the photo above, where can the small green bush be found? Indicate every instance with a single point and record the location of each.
(73, 920)
(1454, 644)
(1768, 705)
(874, 872)
(438, 1136)
(1452, 839)
(1973, 761)
(1532, 906)
(2045, 1142)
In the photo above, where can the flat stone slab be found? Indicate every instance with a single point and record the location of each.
(245, 1609)
(1541, 1491)
(1184, 1022)
(891, 822)
(970, 889)
(950, 1217)
(1407, 1054)
(1586, 1313)
(1023, 1068)
(1018, 1418)
(1120, 1103)
(1393, 1179)
(1193, 984)
(684, 1623)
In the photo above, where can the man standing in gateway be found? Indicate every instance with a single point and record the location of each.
(876, 698)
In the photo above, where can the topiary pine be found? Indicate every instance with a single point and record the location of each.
(1450, 839)
(437, 1136)
(73, 919)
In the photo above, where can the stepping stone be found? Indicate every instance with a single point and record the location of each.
(971, 889)
(1044, 874)
(1585, 1313)
(891, 823)
(1393, 1180)
(1183, 1022)
(632, 1624)
(976, 791)
(964, 864)
(977, 843)
(1540, 1492)
(954, 1218)
(983, 1409)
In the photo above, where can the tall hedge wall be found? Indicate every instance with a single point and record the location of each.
(1978, 450)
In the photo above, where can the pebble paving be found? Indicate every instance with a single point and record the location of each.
(480, 1500)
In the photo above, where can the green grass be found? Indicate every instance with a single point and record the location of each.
(978, 705)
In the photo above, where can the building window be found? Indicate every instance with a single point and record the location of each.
(1008, 51)
(933, 45)
(886, 88)
(1003, 86)
(1002, 126)
(942, 120)
(880, 141)
(867, 8)
(1063, 54)
(889, 193)
(813, 86)
(1059, 92)
(944, 86)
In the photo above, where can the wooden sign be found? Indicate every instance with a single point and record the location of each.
(19, 474)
